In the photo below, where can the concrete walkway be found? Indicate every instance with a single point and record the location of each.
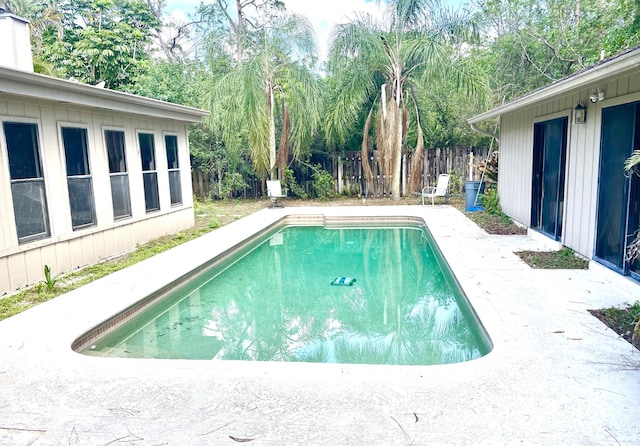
(556, 375)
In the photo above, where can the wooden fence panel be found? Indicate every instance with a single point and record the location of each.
(452, 160)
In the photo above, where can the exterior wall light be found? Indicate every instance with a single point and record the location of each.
(580, 113)
(596, 95)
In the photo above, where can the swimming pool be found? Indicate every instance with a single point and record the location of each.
(289, 294)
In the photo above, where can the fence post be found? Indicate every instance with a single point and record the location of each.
(340, 175)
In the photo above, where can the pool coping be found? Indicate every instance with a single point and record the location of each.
(83, 344)
(566, 356)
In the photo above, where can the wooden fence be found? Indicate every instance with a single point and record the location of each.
(347, 171)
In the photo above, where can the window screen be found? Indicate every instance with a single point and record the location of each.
(27, 181)
(175, 186)
(114, 139)
(79, 183)
(149, 173)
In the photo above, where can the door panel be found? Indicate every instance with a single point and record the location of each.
(618, 129)
(550, 143)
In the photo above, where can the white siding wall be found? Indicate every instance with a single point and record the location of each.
(516, 157)
(583, 154)
(67, 249)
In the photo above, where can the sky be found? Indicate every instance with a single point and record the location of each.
(323, 14)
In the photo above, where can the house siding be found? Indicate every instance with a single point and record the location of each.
(583, 156)
(66, 249)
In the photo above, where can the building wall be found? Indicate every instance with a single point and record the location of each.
(66, 249)
(583, 155)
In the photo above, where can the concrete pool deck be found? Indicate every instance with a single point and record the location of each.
(556, 374)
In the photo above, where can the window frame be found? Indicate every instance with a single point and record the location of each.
(89, 176)
(149, 174)
(120, 174)
(171, 170)
(46, 221)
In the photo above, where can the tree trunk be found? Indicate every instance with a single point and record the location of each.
(283, 148)
(272, 137)
(239, 31)
(396, 159)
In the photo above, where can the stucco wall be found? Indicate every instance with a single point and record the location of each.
(583, 155)
(66, 249)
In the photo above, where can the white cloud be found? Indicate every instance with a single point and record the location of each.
(324, 15)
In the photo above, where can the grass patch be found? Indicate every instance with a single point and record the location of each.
(493, 223)
(621, 320)
(209, 216)
(565, 258)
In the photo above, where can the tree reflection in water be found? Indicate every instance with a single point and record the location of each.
(277, 304)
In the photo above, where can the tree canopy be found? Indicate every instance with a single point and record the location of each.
(398, 84)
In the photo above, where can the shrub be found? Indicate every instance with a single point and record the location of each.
(290, 183)
(323, 183)
(491, 202)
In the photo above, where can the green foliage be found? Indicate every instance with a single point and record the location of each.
(623, 320)
(491, 202)
(232, 182)
(632, 164)
(49, 280)
(455, 182)
(564, 258)
(292, 186)
(214, 223)
(533, 43)
(177, 82)
(248, 100)
(323, 183)
(94, 40)
(398, 70)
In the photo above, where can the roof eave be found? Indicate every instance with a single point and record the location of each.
(37, 86)
(615, 66)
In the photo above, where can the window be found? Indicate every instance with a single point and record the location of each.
(27, 181)
(114, 140)
(149, 173)
(175, 186)
(78, 177)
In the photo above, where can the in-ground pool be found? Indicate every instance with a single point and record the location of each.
(346, 292)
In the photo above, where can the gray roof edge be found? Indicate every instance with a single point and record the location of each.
(615, 65)
(34, 79)
(7, 15)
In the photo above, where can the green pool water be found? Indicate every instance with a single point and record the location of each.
(276, 301)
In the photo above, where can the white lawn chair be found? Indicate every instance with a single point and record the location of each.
(274, 190)
(439, 191)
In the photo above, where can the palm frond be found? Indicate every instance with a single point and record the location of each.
(633, 162)
(355, 87)
(304, 105)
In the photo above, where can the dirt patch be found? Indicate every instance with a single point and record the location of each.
(621, 320)
(497, 227)
(565, 258)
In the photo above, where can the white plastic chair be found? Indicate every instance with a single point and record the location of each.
(274, 190)
(440, 190)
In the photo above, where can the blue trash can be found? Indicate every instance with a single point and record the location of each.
(471, 192)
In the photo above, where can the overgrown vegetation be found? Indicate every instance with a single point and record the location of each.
(564, 258)
(624, 321)
(493, 221)
(208, 215)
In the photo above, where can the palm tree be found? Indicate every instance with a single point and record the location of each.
(631, 167)
(383, 69)
(274, 89)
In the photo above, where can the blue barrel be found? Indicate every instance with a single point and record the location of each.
(471, 192)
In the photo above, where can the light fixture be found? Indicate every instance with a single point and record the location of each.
(596, 95)
(580, 113)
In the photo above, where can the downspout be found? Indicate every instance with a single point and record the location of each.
(495, 138)
(484, 132)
